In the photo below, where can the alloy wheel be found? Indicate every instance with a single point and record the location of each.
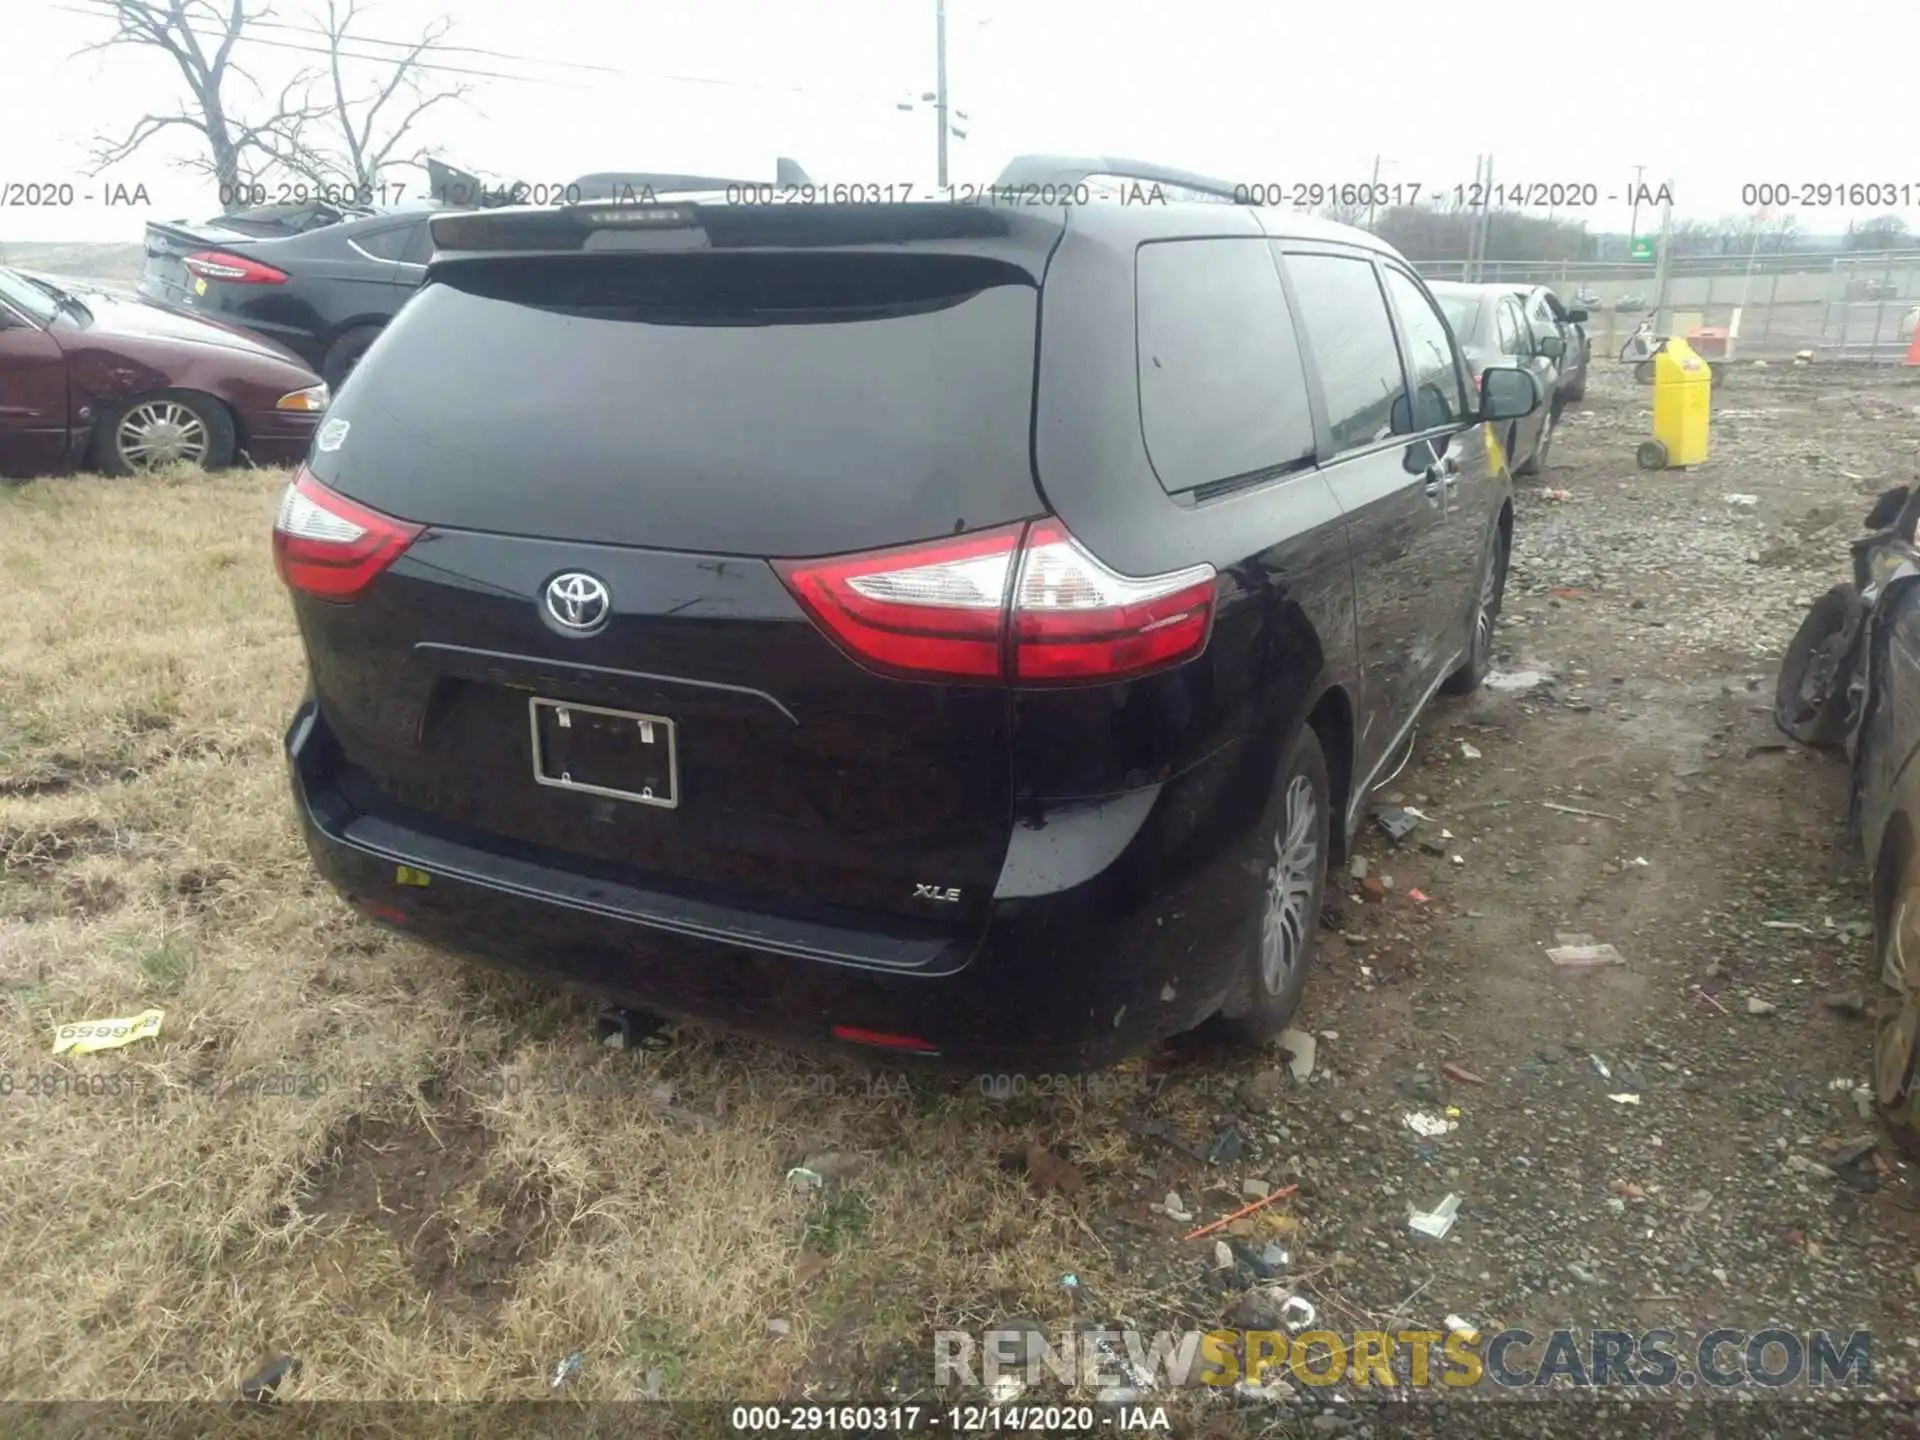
(1485, 611)
(1286, 925)
(161, 432)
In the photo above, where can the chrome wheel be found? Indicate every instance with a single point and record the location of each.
(1287, 924)
(161, 432)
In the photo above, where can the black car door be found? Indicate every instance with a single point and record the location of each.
(1387, 485)
(1444, 415)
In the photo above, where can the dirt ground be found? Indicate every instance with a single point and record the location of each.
(427, 1182)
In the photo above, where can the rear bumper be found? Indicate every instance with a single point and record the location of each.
(1069, 980)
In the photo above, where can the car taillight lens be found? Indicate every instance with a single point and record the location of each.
(1023, 604)
(234, 269)
(325, 545)
(1075, 619)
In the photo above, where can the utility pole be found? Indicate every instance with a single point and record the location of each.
(1633, 220)
(1660, 276)
(940, 81)
(1373, 190)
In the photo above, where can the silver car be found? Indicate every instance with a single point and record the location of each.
(1490, 323)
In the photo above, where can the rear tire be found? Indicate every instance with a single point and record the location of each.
(174, 427)
(1810, 700)
(1283, 922)
(345, 353)
(1896, 1016)
(1537, 461)
(1643, 372)
(1493, 586)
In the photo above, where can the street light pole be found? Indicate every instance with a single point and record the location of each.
(1373, 190)
(940, 81)
(1633, 220)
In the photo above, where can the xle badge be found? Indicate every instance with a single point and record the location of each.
(933, 892)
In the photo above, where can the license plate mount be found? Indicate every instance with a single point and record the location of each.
(616, 754)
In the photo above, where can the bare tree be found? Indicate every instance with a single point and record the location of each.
(369, 106)
(343, 121)
(1347, 214)
(200, 36)
(1882, 232)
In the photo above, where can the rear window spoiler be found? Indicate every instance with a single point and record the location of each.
(627, 184)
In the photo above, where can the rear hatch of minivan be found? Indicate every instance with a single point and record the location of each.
(610, 459)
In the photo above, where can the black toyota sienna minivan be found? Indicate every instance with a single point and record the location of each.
(967, 630)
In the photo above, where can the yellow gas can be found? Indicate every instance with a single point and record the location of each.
(1682, 398)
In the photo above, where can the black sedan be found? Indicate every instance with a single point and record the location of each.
(1851, 680)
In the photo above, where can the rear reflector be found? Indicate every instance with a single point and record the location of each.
(326, 545)
(883, 1040)
(234, 269)
(1025, 603)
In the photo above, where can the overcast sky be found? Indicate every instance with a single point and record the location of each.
(1707, 94)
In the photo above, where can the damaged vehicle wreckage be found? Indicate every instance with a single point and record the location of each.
(1013, 625)
(1850, 681)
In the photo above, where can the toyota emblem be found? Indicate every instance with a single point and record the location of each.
(579, 603)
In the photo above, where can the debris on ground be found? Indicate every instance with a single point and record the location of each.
(566, 1370)
(1460, 1073)
(267, 1378)
(778, 1328)
(1050, 1173)
(1437, 1221)
(1742, 499)
(1625, 1097)
(1428, 1126)
(1757, 1006)
(1397, 821)
(1247, 1209)
(1847, 1002)
(1465, 1328)
(1468, 751)
(1357, 867)
(1173, 1207)
(1576, 810)
(1581, 952)
(1708, 997)
(1298, 1046)
(85, 1037)
(1417, 895)
(1222, 1255)
(1227, 1147)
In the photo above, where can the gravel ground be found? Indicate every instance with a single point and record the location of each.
(1643, 1145)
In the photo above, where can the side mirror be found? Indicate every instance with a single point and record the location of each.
(1508, 393)
(1554, 347)
(1576, 317)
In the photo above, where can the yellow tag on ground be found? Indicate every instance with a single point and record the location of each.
(91, 1035)
(407, 875)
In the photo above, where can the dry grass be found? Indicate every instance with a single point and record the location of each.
(424, 1181)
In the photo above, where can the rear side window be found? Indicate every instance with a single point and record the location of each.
(1435, 374)
(388, 244)
(419, 244)
(1222, 392)
(1351, 337)
(1508, 321)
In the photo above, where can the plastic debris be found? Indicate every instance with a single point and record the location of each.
(1397, 822)
(1222, 1255)
(266, 1381)
(1437, 1221)
(1301, 1307)
(1600, 1067)
(1247, 1209)
(1174, 1208)
(1357, 867)
(1417, 895)
(1298, 1046)
(88, 1036)
(1460, 1325)
(1007, 1388)
(1460, 1073)
(779, 1328)
(1576, 810)
(1557, 496)
(1428, 1126)
(1742, 499)
(1585, 957)
(1470, 752)
(1625, 1098)
(566, 1370)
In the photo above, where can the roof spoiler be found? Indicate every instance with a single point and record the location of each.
(604, 184)
(1070, 170)
(450, 185)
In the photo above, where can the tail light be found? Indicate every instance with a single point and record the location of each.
(325, 545)
(1025, 603)
(234, 269)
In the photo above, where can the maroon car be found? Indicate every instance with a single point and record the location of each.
(94, 378)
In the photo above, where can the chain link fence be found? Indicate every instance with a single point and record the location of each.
(1859, 307)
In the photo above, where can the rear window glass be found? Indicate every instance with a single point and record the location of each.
(1463, 314)
(1222, 394)
(785, 404)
